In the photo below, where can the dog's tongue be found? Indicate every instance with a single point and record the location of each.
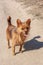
(25, 35)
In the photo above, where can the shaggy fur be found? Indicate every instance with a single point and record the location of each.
(17, 34)
(9, 29)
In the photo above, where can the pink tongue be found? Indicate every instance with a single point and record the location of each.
(25, 35)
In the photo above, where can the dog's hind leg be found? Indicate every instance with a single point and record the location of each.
(9, 44)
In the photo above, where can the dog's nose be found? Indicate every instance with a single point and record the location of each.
(25, 30)
(27, 27)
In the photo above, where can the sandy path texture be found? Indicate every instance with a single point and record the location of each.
(33, 47)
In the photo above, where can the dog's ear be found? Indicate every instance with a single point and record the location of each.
(28, 21)
(18, 22)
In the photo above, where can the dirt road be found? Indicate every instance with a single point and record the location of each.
(33, 47)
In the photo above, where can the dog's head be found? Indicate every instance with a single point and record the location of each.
(27, 23)
(9, 20)
(23, 26)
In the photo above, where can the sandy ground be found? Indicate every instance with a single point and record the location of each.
(33, 47)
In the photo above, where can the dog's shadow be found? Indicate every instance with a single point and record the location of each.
(33, 44)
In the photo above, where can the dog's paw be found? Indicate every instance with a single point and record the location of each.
(21, 51)
(13, 54)
(9, 47)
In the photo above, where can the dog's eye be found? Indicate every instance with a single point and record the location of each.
(27, 27)
(22, 28)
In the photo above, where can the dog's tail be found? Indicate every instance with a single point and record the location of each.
(9, 20)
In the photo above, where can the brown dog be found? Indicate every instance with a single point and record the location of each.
(9, 30)
(19, 35)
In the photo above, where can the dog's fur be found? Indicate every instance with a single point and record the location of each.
(17, 34)
(9, 30)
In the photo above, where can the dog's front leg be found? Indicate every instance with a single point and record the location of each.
(20, 50)
(13, 49)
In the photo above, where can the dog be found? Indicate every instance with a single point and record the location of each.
(19, 34)
(9, 29)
